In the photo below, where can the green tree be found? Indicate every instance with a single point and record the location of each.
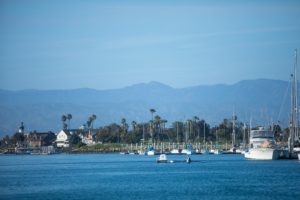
(94, 117)
(50, 138)
(75, 139)
(69, 117)
(196, 128)
(152, 111)
(18, 138)
(157, 127)
(90, 121)
(134, 126)
(63, 120)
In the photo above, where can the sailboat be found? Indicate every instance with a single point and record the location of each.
(234, 148)
(262, 143)
(293, 143)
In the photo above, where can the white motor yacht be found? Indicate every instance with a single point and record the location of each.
(262, 145)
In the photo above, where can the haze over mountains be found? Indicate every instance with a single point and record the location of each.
(262, 100)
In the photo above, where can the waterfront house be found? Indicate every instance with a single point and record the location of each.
(62, 138)
(39, 139)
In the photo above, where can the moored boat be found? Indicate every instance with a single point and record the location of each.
(262, 145)
(204, 151)
(217, 151)
(150, 153)
(187, 151)
(162, 159)
(176, 151)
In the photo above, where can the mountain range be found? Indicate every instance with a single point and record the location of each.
(261, 100)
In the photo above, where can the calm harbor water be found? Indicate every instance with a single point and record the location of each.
(113, 176)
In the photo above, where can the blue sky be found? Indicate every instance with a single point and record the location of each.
(113, 44)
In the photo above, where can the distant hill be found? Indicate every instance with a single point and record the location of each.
(40, 110)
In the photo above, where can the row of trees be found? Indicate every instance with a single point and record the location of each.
(89, 123)
(189, 131)
(155, 130)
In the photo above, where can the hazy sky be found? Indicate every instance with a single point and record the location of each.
(112, 44)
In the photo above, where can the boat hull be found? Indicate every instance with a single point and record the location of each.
(262, 154)
(217, 152)
(151, 153)
(186, 151)
(162, 161)
(176, 151)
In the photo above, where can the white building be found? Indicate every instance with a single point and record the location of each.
(62, 138)
(87, 139)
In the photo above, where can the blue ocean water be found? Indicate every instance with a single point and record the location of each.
(114, 176)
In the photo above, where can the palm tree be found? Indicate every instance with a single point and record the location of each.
(151, 123)
(69, 117)
(134, 124)
(90, 121)
(157, 125)
(124, 125)
(152, 112)
(164, 121)
(188, 129)
(124, 129)
(196, 119)
(94, 117)
(63, 119)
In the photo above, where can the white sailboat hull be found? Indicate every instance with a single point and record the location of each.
(298, 156)
(151, 153)
(262, 154)
(217, 152)
(186, 151)
(176, 151)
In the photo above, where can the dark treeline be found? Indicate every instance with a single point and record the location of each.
(194, 130)
(190, 131)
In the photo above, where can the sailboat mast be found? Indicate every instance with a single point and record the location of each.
(296, 136)
(177, 132)
(294, 108)
(244, 137)
(233, 129)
